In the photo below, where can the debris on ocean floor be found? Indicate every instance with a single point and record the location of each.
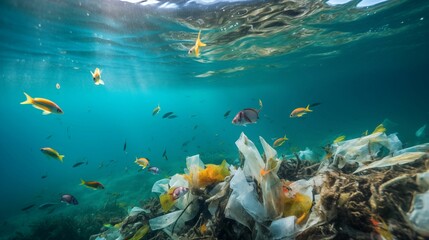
(364, 188)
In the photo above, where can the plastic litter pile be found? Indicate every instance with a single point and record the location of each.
(368, 187)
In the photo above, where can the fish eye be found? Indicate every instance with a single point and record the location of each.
(59, 110)
(93, 78)
(190, 51)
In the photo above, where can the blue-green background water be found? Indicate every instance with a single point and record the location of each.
(364, 64)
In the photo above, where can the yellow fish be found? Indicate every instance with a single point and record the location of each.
(47, 106)
(280, 141)
(52, 153)
(340, 139)
(299, 112)
(198, 44)
(143, 162)
(156, 110)
(379, 129)
(96, 76)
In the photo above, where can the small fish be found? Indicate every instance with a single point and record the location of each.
(80, 163)
(339, 139)
(58, 86)
(92, 184)
(125, 146)
(247, 116)
(69, 199)
(299, 112)
(47, 205)
(379, 129)
(421, 132)
(195, 127)
(179, 192)
(167, 114)
(280, 141)
(52, 153)
(48, 137)
(172, 116)
(44, 176)
(142, 162)
(196, 47)
(27, 207)
(164, 154)
(226, 114)
(184, 144)
(47, 106)
(194, 115)
(156, 110)
(96, 76)
(153, 170)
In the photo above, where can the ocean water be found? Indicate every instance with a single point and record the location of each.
(364, 61)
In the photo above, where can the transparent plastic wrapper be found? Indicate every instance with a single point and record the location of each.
(194, 166)
(404, 158)
(283, 228)
(136, 210)
(419, 215)
(244, 197)
(417, 148)
(361, 149)
(253, 163)
(271, 186)
(161, 186)
(177, 180)
(164, 220)
(307, 154)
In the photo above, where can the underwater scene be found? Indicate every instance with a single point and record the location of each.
(214, 119)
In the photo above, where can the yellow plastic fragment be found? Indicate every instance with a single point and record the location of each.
(141, 232)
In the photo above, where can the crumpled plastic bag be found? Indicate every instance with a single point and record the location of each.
(361, 149)
(283, 228)
(253, 163)
(161, 186)
(200, 176)
(271, 186)
(136, 210)
(244, 197)
(164, 220)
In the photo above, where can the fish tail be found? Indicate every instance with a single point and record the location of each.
(285, 137)
(199, 43)
(166, 201)
(260, 104)
(29, 99)
(307, 109)
(60, 157)
(82, 182)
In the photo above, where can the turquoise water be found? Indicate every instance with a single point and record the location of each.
(365, 65)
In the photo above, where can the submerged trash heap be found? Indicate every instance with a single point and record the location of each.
(367, 187)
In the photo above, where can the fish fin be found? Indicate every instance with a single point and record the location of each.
(29, 99)
(82, 182)
(101, 82)
(61, 158)
(46, 112)
(307, 109)
(91, 73)
(301, 114)
(166, 201)
(260, 104)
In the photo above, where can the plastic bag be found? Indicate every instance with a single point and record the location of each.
(363, 148)
(419, 215)
(283, 228)
(253, 163)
